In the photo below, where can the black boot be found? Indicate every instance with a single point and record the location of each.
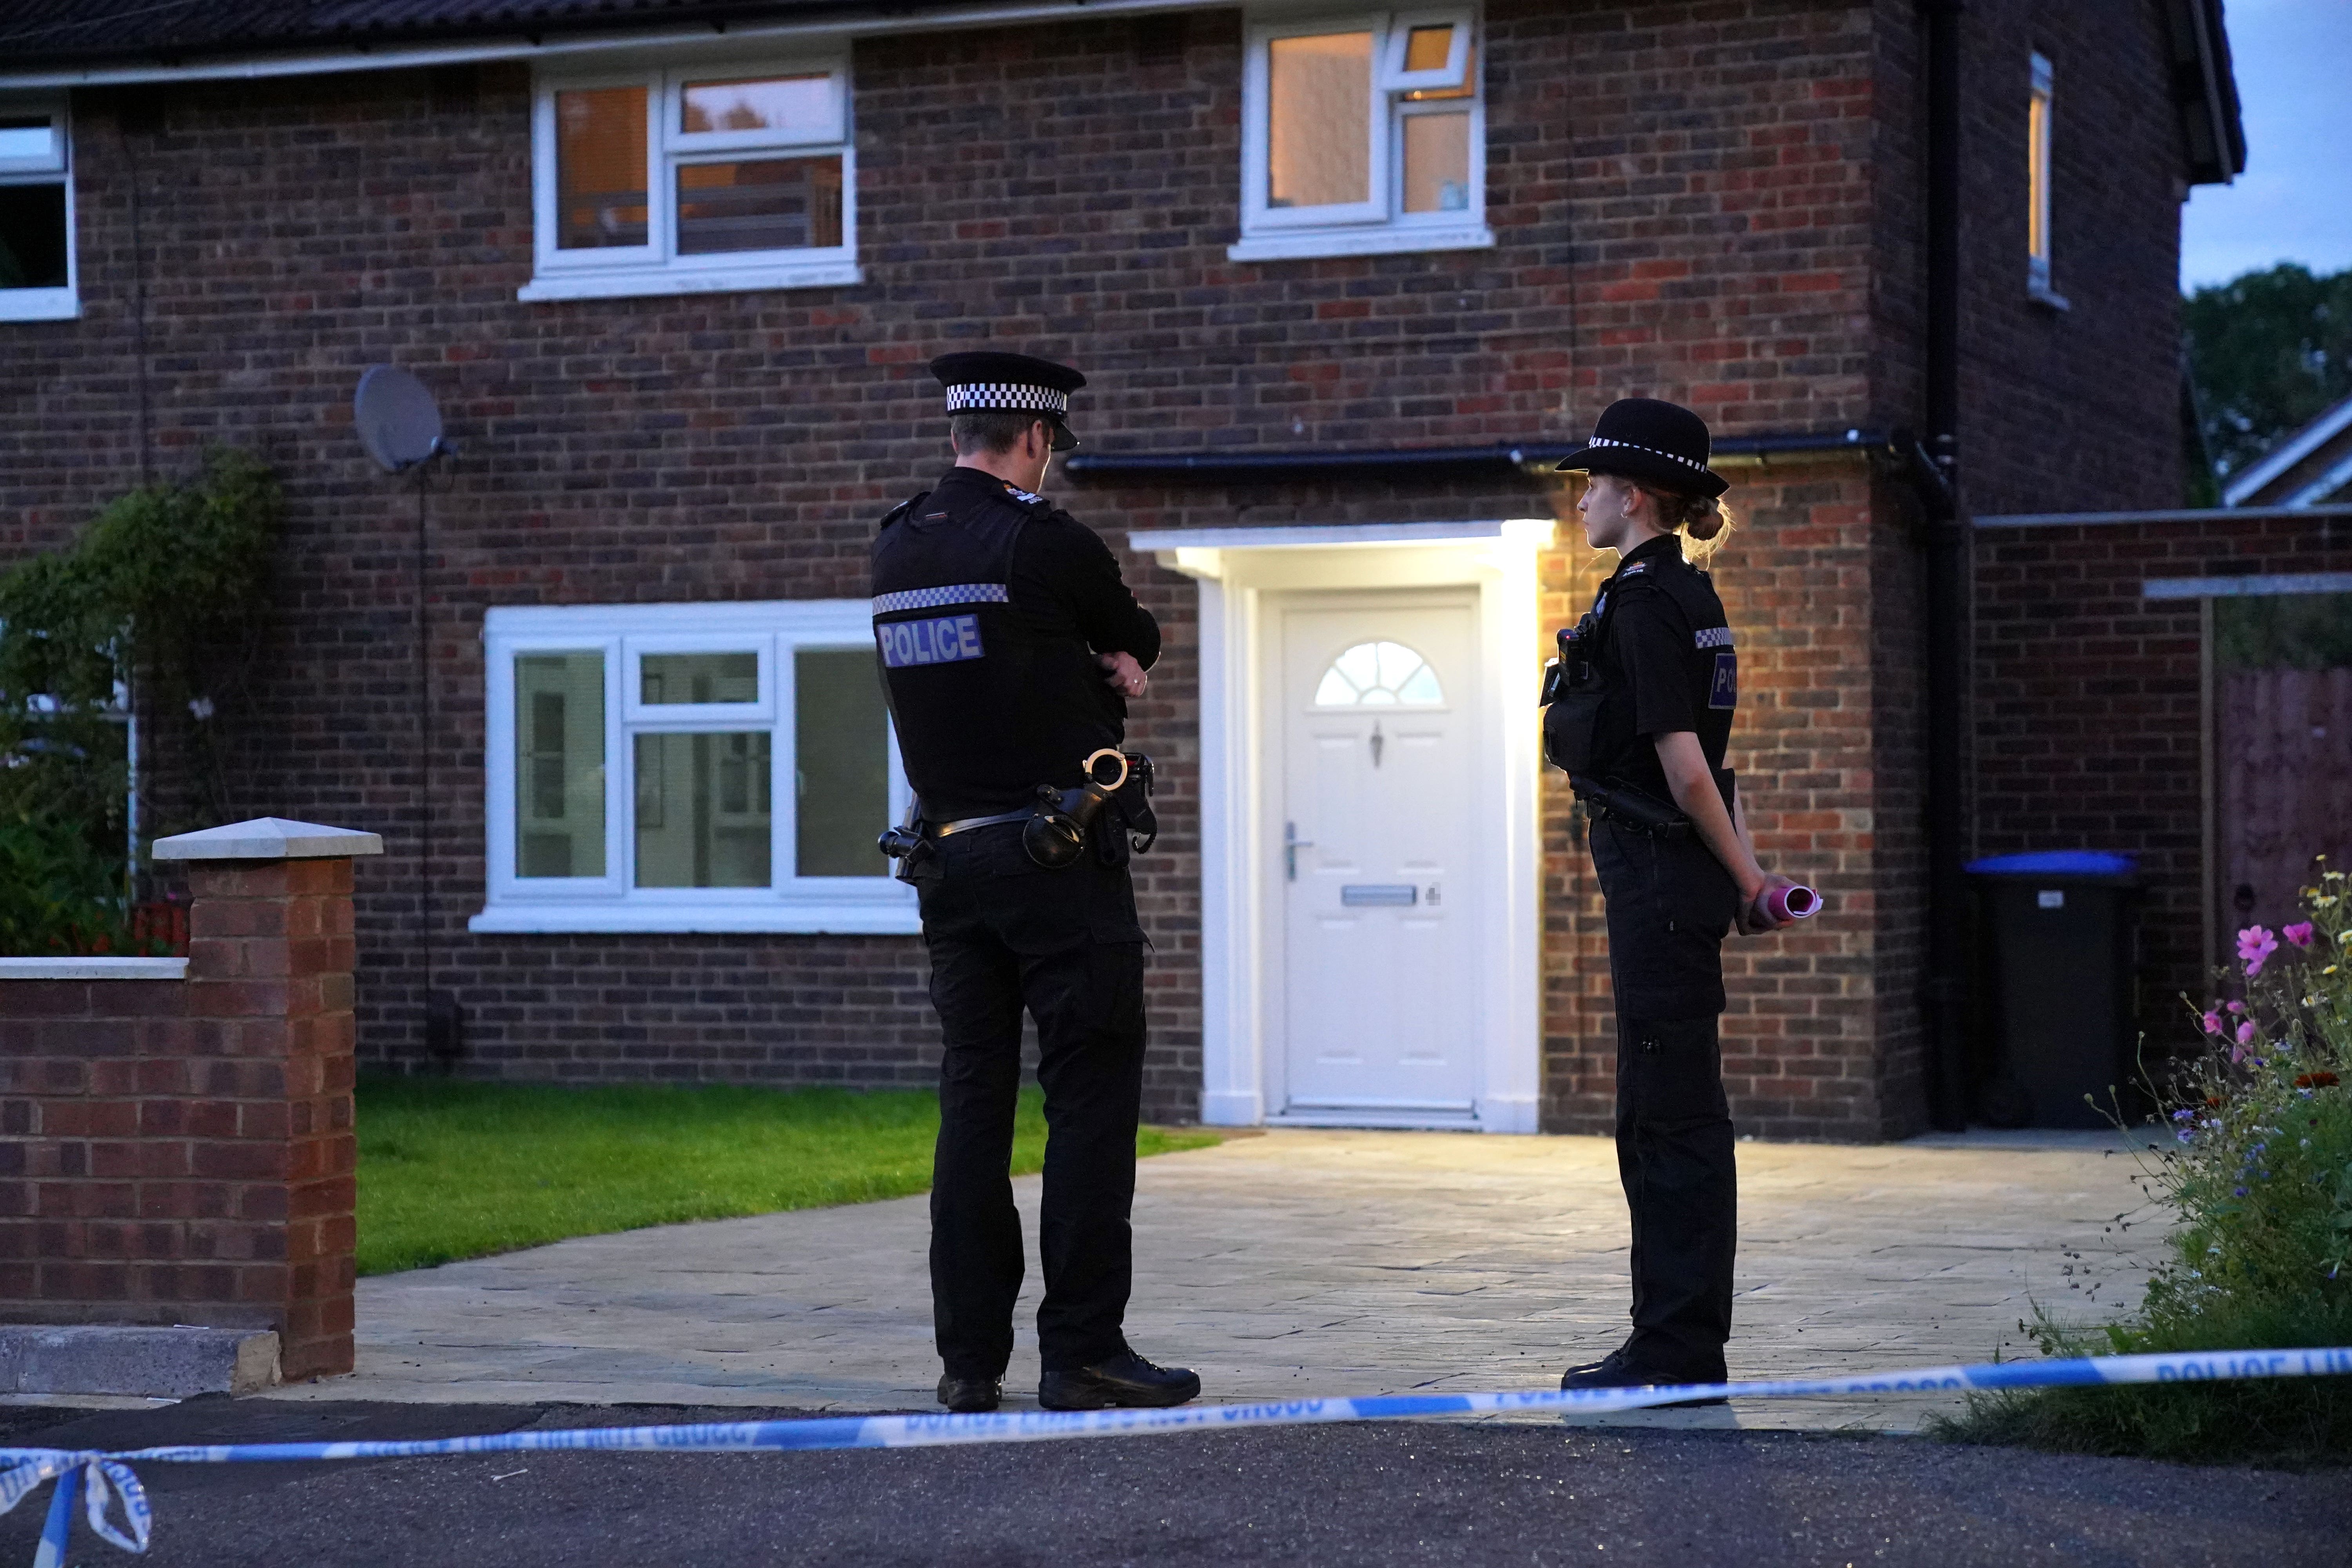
(970, 1396)
(1126, 1380)
(1615, 1370)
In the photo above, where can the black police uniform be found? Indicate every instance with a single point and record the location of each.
(989, 607)
(1665, 662)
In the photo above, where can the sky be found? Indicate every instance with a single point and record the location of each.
(2294, 203)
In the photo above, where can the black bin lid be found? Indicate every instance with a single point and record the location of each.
(2059, 865)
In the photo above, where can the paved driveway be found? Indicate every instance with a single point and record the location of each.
(1297, 1263)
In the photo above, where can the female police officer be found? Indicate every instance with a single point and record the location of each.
(1641, 722)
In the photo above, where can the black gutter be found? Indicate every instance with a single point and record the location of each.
(1936, 475)
(1266, 468)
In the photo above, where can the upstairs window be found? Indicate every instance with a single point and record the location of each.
(37, 215)
(689, 768)
(2037, 216)
(1363, 135)
(694, 178)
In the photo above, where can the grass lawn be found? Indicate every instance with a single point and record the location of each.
(452, 1170)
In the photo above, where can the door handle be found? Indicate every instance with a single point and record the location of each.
(1291, 845)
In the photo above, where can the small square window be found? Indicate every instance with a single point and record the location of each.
(697, 679)
(32, 142)
(762, 110)
(638, 196)
(36, 213)
(1361, 135)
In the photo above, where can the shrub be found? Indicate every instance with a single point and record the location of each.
(2257, 1171)
(58, 893)
(160, 600)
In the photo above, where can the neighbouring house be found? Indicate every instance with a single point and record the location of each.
(2310, 466)
(1341, 278)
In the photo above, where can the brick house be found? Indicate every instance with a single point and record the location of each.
(1340, 279)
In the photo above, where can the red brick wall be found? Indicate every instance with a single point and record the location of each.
(1698, 202)
(176, 1152)
(2090, 713)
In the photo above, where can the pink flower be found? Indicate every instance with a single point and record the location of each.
(2255, 945)
(2246, 1033)
(2298, 933)
(2236, 1007)
(2212, 1023)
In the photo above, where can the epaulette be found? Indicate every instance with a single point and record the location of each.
(901, 510)
(1037, 505)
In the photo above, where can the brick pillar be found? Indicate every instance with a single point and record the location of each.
(180, 1150)
(270, 956)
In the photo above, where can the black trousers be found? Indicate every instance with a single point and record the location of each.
(1670, 904)
(1004, 935)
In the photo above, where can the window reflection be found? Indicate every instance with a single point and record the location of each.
(600, 167)
(666, 678)
(765, 204)
(560, 764)
(1437, 162)
(787, 105)
(1428, 48)
(703, 810)
(843, 762)
(1318, 97)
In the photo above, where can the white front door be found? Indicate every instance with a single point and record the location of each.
(1374, 701)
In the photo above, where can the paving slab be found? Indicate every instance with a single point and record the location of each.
(1298, 1263)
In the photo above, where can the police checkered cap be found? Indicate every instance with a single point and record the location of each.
(1021, 383)
(964, 396)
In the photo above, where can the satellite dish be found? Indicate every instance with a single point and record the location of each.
(396, 418)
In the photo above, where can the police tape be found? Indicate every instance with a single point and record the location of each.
(104, 1482)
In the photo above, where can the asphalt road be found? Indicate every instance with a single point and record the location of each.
(1391, 1493)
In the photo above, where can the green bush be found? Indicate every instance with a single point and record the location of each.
(2257, 1172)
(58, 893)
(160, 596)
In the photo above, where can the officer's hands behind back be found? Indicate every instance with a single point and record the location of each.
(1755, 920)
(1125, 676)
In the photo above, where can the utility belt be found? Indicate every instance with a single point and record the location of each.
(1115, 815)
(1631, 807)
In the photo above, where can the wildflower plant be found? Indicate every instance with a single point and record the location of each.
(2254, 1166)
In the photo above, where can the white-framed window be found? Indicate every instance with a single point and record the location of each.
(2037, 186)
(683, 178)
(37, 270)
(689, 768)
(1362, 134)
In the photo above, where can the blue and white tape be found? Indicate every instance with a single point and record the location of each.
(104, 1480)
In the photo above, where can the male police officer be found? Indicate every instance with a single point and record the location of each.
(1009, 647)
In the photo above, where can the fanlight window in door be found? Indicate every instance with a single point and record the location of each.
(1378, 675)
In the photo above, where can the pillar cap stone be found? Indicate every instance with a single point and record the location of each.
(268, 838)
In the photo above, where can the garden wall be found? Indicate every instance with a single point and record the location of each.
(180, 1151)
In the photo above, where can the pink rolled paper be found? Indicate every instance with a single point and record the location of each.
(1792, 903)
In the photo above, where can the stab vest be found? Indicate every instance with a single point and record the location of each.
(1588, 730)
(987, 708)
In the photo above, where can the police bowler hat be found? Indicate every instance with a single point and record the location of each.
(1655, 442)
(980, 379)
